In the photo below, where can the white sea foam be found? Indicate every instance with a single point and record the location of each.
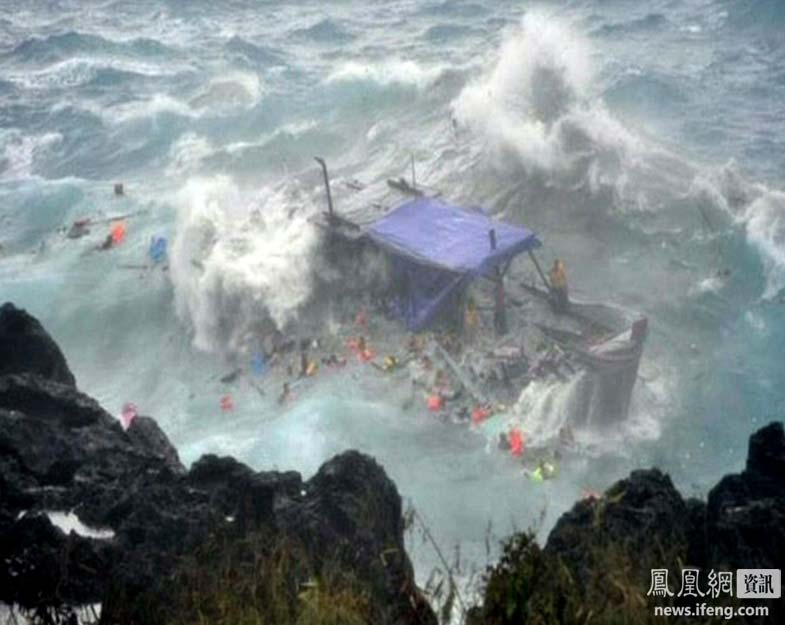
(537, 105)
(712, 284)
(187, 154)
(544, 408)
(387, 73)
(238, 260)
(134, 110)
(219, 97)
(757, 209)
(20, 152)
(77, 71)
(288, 131)
(764, 222)
(228, 93)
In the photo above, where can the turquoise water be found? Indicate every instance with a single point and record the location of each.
(606, 127)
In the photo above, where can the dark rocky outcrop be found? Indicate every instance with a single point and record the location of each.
(599, 555)
(745, 513)
(60, 451)
(25, 347)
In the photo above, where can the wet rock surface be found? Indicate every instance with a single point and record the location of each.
(25, 347)
(60, 451)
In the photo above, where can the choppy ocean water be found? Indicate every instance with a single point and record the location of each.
(646, 145)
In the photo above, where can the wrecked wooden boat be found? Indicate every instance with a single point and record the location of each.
(445, 259)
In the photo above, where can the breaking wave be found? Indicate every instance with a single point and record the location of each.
(241, 265)
(764, 221)
(220, 97)
(230, 93)
(133, 110)
(758, 210)
(386, 73)
(79, 71)
(545, 407)
(195, 153)
(21, 151)
(536, 105)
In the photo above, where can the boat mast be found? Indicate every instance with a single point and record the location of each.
(326, 186)
(499, 311)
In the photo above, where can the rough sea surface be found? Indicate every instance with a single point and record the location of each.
(644, 142)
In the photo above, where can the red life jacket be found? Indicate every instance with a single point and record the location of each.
(516, 442)
(480, 414)
(435, 403)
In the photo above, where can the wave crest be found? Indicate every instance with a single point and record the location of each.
(764, 220)
(536, 105)
(386, 73)
(241, 266)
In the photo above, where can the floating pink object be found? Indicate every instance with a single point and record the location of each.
(227, 403)
(128, 414)
(434, 403)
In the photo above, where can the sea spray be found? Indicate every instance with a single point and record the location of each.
(20, 152)
(544, 408)
(728, 199)
(537, 105)
(541, 72)
(764, 221)
(241, 263)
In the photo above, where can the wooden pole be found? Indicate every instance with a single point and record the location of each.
(539, 271)
(499, 311)
(326, 184)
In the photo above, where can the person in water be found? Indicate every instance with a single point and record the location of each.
(303, 361)
(390, 363)
(79, 229)
(108, 243)
(559, 293)
(286, 393)
(471, 322)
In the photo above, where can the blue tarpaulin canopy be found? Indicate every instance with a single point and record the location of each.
(437, 248)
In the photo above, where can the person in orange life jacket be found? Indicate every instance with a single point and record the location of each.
(560, 299)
